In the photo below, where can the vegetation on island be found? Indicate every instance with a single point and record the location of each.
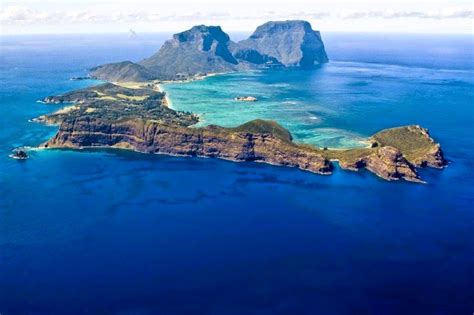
(112, 102)
(135, 116)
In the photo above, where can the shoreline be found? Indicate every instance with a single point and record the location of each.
(167, 100)
(118, 148)
(233, 144)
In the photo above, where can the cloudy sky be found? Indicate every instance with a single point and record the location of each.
(107, 16)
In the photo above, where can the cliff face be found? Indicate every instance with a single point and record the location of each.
(151, 137)
(259, 141)
(202, 49)
(389, 163)
(290, 43)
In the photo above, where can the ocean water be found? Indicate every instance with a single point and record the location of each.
(116, 232)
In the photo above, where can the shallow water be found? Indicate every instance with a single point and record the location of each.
(115, 232)
(337, 105)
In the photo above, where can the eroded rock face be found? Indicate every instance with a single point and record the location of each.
(386, 162)
(212, 141)
(111, 115)
(389, 163)
(289, 43)
(433, 155)
(202, 49)
(434, 158)
(259, 141)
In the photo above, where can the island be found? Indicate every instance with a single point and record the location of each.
(131, 112)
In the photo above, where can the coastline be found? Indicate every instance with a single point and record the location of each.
(167, 100)
(256, 141)
(158, 85)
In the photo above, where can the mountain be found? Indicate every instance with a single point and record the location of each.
(202, 49)
(291, 43)
(208, 49)
(122, 71)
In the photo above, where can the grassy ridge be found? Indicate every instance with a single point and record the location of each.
(413, 141)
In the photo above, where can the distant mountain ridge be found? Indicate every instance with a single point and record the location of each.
(208, 49)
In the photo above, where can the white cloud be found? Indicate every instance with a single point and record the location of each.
(459, 14)
(24, 15)
(49, 16)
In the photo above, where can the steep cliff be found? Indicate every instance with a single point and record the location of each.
(202, 49)
(259, 141)
(289, 43)
(239, 144)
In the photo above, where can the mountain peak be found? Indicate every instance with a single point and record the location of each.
(201, 49)
(292, 43)
(281, 26)
(202, 31)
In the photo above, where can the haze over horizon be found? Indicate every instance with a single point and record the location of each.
(107, 16)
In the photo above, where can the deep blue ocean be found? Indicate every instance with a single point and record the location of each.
(116, 232)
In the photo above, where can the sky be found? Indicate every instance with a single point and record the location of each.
(120, 16)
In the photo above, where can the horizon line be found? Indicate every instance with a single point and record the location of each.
(235, 31)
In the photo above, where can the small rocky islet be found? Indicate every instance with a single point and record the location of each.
(133, 113)
(19, 154)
